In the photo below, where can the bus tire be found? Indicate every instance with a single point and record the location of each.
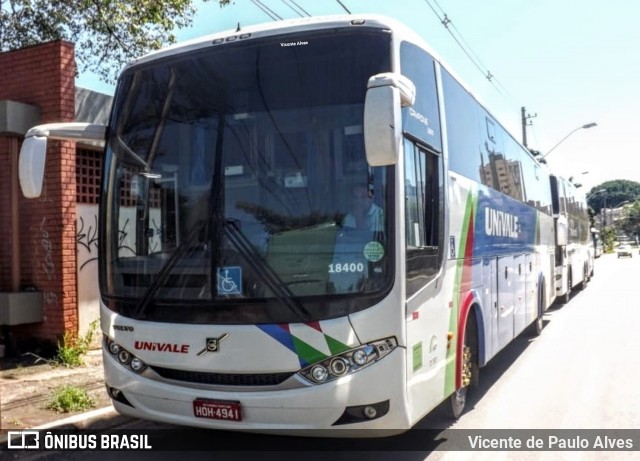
(470, 369)
(567, 296)
(585, 279)
(538, 324)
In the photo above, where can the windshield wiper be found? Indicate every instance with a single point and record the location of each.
(130, 153)
(166, 269)
(264, 270)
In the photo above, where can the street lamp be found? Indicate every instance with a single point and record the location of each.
(624, 202)
(583, 127)
(572, 179)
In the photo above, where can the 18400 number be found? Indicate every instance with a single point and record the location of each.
(346, 267)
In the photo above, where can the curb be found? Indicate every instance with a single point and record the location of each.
(102, 418)
(99, 419)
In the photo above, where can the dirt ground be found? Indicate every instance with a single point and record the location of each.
(27, 387)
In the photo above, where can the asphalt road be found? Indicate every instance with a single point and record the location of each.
(581, 373)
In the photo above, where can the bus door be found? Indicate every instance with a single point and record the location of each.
(520, 290)
(531, 297)
(506, 300)
(490, 301)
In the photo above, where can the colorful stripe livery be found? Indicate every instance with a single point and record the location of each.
(307, 340)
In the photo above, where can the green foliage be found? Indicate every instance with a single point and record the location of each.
(631, 222)
(107, 33)
(73, 348)
(70, 398)
(608, 239)
(609, 194)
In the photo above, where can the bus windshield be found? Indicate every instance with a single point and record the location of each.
(234, 175)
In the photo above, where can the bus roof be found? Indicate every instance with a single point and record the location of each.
(284, 27)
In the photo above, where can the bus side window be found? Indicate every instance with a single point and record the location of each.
(424, 215)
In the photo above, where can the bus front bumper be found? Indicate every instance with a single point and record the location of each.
(337, 407)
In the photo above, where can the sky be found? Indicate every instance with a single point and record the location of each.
(568, 62)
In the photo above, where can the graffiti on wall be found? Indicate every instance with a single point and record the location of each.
(46, 263)
(87, 238)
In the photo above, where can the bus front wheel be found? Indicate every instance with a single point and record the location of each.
(470, 371)
(567, 296)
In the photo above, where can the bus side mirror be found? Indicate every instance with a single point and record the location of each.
(387, 93)
(562, 231)
(33, 155)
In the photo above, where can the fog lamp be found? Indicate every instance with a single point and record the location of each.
(369, 412)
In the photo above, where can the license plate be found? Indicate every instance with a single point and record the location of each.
(226, 410)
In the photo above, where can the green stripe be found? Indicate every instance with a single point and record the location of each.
(450, 370)
(335, 346)
(308, 353)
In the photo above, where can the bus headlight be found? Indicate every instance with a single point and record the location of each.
(319, 373)
(113, 348)
(359, 357)
(137, 365)
(348, 362)
(124, 357)
(339, 366)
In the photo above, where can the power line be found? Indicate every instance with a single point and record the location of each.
(468, 51)
(445, 22)
(269, 12)
(297, 9)
(344, 7)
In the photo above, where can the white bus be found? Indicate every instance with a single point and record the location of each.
(575, 250)
(241, 288)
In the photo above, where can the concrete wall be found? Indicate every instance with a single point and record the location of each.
(87, 243)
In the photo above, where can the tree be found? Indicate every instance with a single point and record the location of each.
(107, 33)
(613, 193)
(608, 237)
(631, 223)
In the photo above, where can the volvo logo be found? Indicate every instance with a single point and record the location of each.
(213, 344)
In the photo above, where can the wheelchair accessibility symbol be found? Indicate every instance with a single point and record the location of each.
(230, 280)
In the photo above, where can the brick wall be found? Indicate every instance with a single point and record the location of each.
(43, 76)
(5, 210)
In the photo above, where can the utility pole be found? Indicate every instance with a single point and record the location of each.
(525, 122)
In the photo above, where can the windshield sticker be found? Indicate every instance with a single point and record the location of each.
(373, 251)
(230, 280)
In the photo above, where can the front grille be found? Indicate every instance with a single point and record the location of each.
(223, 379)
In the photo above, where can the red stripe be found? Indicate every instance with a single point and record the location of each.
(315, 326)
(467, 300)
(464, 313)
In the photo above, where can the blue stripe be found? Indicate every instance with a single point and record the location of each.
(280, 335)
